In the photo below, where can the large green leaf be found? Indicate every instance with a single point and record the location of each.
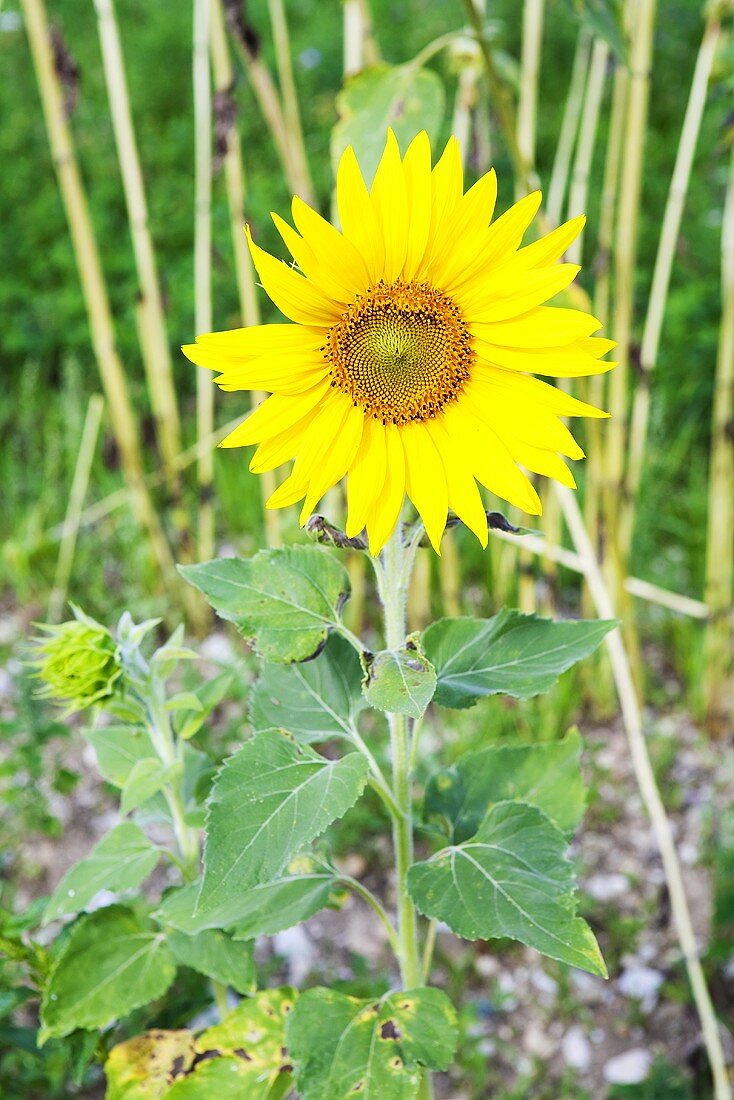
(405, 97)
(285, 601)
(118, 749)
(262, 910)
(510, 654)
(400, 681)
(121, 861)
(315, 700)
(269, 801)
(511, 879)
(244, 1056)
(546, 775)
(214, 953)
(110, 964)
(145, 1067)
(343, 1047)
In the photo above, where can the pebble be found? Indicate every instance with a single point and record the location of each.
(576, 1049)
(218, 649)
(642, 984)
(537, 1041)
(629, 1068)
(298, 951)
(605, 887)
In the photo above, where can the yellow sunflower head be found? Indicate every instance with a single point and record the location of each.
(409, 367)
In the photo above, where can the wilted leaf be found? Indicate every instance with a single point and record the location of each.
(145, 1067)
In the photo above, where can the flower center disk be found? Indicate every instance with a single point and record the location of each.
(401, 351)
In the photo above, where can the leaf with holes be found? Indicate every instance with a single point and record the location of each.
(314, 700)
(285, 601)
(545, 775)
(269, 801)
(400, 681)
(510, 879)
(121, 861)
(343, 1047)
(509, 654)
(110, 964)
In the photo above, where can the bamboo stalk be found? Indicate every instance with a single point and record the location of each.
(156, 352)
(234, 174)
(94, 288)
(291, 107)
(569, 127)
(642, 24)
(595, 487)
(661, 275)
(579, 190)
(650, 794)
(266, 94)
(77, 493)
(719, 643)
(202, 267)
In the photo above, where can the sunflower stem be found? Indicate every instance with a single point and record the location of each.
(393, 575)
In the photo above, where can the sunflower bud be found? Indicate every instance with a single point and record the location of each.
(78, 662)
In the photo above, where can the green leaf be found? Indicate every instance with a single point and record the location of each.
(110, 964)
(217, 955)
(315, 700)
(604, 19)
(146, 779)
(121, 861)
(184, 700)
(269, 801)
(510, 654)
(144, 1068)
(244, 1054)
(208, 695)
(405, 97)
(118, 749)
(285, 601)
(342, 1046)
(511, 879)
(261, 910)
(545, 775)
(400, 681)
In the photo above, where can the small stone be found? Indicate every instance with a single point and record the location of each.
(218, 649)
(536, 1041)
(607, 887)
(642, 984)
(629, 1068)
(298, 951)
(576, 1049)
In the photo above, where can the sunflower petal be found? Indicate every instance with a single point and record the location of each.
(274, 416)
(426, 481)
(366, 476)
(390, 199)
(357, 215)
(294, 296)
(385, 511)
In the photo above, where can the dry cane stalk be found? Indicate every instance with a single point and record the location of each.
(569, 127)
(202, 267)
(650, 794)
(156, 353)
(719, 644)
(291, 108)
(661, 275)
(79, 485)
(234, 175)
(93, 286)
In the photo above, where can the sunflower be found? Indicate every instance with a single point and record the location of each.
(409, 368)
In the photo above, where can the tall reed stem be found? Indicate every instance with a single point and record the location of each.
(661, 276)
(291, 107)
(719, 643)
(202, 266)
(234, 174)
(156, 352)
(569, 126)
(94, 287)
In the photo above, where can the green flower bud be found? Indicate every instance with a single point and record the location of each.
(78, 662)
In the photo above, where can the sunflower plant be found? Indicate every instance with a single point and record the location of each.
(407, 369)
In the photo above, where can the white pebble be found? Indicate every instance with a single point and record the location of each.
(642, 984)
(629, 1068)
(576, 1049)
(606, 887)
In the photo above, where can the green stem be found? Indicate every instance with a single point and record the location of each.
(392, 578)
(171, 754)
(376, 905)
